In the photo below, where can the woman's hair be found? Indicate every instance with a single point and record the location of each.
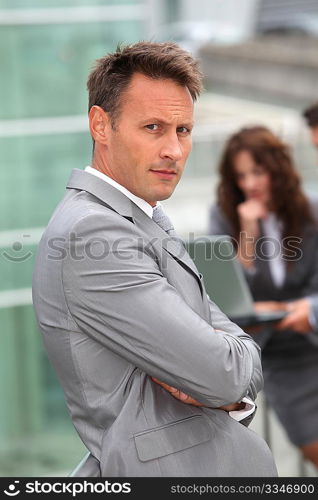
(288, 200)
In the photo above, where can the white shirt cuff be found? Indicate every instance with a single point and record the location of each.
(248, 410)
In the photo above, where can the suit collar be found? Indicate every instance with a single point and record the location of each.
(146, 207)
(108, 194)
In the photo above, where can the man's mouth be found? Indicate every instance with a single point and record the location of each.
(164, 174)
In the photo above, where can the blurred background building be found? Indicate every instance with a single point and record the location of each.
(261, 66)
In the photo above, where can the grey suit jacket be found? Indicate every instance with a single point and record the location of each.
(118, 301)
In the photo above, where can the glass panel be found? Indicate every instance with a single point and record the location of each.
(44, 74)
(47, 66)
(37, 436)
(42, 4)
(34, 181)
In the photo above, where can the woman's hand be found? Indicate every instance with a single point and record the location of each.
(249, 212)
(270, 305)
(298, 318)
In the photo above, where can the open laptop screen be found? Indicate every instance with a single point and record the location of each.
(224, 280)
(225, 283)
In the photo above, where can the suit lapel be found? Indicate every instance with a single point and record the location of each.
(108, 194)
(171, 244)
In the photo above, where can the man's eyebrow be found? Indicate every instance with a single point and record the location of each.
(153, 119)
(188, 124)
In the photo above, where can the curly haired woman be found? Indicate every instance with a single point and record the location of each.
(261, 205)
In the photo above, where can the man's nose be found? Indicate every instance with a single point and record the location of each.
(171, 148)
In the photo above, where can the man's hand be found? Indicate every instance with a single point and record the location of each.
(176, 393)
(232, 407)
(298, 317)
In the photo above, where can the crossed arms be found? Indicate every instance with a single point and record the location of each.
(126, 304)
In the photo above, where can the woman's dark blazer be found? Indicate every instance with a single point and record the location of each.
(290, 359)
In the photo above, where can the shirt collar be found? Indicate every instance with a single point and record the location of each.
(142, 204)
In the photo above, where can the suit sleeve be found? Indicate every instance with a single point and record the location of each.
(221, 323)
(218, 225)
(121, 299)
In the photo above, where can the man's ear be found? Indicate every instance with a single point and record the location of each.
(99, 124)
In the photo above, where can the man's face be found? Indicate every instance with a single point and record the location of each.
(147, 150)
(314, 135)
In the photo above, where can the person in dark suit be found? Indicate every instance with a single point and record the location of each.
(261, 204)
(310, 115)
(157, 379)
(304, 311)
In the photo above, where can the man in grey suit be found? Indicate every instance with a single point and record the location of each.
(156, 377)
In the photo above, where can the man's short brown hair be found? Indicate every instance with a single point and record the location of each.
(112, 73)
(311, 115)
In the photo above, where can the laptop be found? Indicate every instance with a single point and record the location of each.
(225, 283)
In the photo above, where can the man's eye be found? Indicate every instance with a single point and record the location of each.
(183, 130)
(152, 126)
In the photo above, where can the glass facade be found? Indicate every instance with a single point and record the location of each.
(47, 48)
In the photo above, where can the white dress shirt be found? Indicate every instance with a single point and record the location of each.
(272, 228)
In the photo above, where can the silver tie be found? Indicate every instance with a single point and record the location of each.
(165, 223)
(163, 220)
